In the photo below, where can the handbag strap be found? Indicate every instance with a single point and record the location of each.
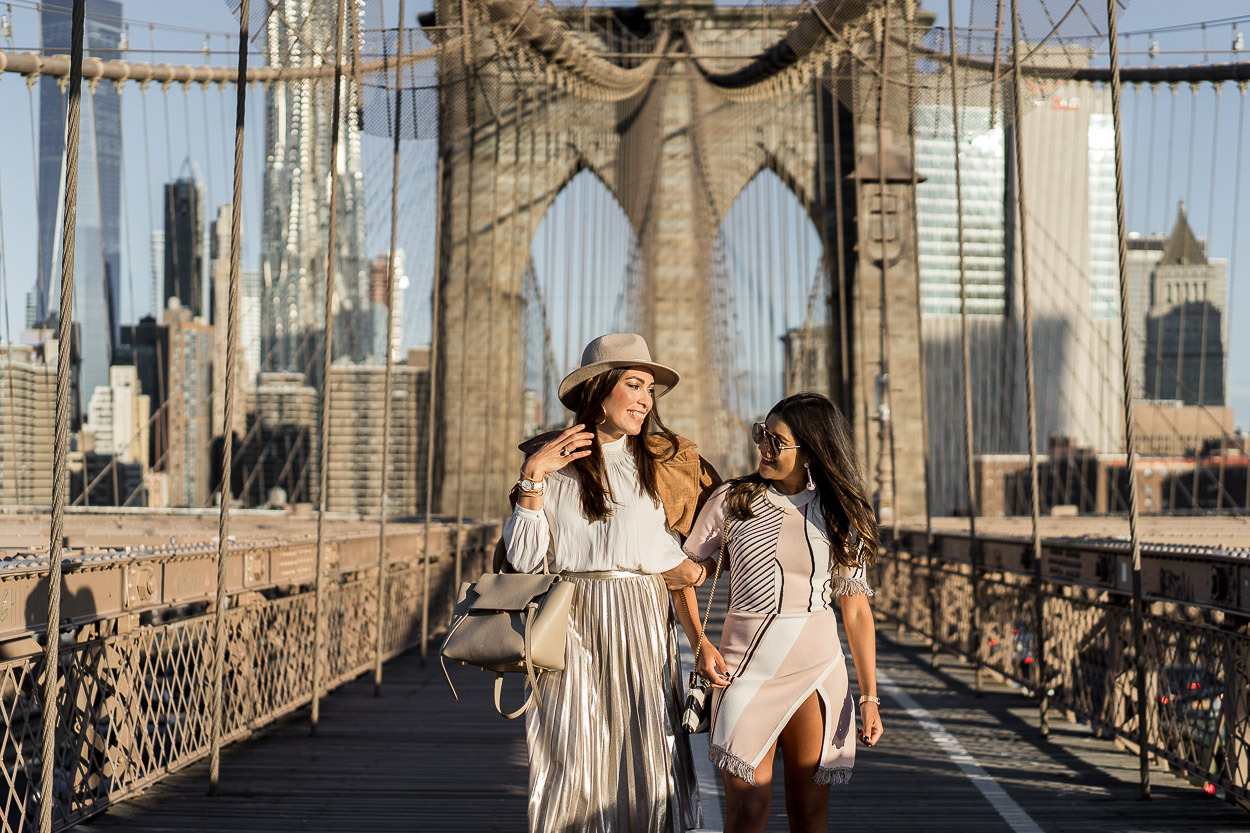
(724, 543)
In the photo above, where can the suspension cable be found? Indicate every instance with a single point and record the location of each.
(965, 357)
(380, 614)
(1143, 723)
(326, 360)
(227, 420)
(1029, 389)
(60, 449)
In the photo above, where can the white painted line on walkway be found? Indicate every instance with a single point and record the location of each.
(1012, 813)
(710, 786)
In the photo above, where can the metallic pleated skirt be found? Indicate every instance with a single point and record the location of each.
(606, 750)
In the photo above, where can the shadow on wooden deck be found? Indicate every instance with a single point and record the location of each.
(417, 760)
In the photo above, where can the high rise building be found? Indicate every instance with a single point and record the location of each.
(27, 415)
(184, 248)
(357, 433)
(118, 416)
(294, 236)
(219, 260)
(97, 257)
(377, 298)
(1069, 165)
(157, 249)
(189, 390)
(1177, 330)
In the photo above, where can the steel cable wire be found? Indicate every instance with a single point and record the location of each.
(319, 611)
(1129, 431)
(1031, 413)
(60, 449)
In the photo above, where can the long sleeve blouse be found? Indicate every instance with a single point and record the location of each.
(636, 536)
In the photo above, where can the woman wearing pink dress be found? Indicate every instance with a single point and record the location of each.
(800, 535)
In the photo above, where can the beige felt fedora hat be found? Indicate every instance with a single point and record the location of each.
(616, 350)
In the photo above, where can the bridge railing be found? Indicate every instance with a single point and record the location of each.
(135, 690)
(1050, 631)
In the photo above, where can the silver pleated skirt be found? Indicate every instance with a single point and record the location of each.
(606, 750)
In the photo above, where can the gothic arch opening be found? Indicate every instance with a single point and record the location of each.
(584, 269)
(769, 289)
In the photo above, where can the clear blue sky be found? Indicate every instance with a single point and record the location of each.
(199, 125)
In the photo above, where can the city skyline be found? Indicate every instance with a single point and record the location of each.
(198, 117)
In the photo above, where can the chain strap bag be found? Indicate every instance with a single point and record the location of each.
(510, 623)
(696, 716)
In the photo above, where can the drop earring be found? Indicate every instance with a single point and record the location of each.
(811, 484)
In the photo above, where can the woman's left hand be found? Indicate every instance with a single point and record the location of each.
(873, 730)
(686, 574)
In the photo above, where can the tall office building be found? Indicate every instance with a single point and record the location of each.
(189, 388)
(295, 225)
(377, 298)
(1072, 261)
(157, 259)
(97, 248)
(27, 414)
(245, 373)
(357, 433)
(1178, 303)
(184, 247)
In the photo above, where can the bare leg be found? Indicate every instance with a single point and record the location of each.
(748, 805)
(807, 804)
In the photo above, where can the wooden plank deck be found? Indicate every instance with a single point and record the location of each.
(416, 760)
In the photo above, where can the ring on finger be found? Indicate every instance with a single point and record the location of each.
(564, 452)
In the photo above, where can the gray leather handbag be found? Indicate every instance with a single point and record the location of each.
(510, 623)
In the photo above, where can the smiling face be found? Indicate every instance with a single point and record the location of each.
(786, 469)
(627, 406)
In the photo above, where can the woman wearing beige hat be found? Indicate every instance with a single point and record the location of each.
(606, 503)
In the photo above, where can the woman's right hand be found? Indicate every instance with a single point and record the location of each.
(712, 666)
(548, 459)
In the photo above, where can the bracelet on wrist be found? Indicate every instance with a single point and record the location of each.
(869, 698)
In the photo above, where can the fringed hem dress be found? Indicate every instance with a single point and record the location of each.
(606, 752)
(780, 641)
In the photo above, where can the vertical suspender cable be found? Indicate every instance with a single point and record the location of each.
(998, 51)
(227, 429)
(848, 397)
(1232, 266)
(1039, 620)
(380, 615)
(60, 449)
(470, 88)
(1203, 379)
(974, 550)
(1143, 719)
(923, 381)
(431, 380)
(487, 440)
(885, 455)
(319, 604)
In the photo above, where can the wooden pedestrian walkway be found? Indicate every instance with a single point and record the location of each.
(416, 760)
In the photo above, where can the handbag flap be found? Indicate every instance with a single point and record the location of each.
(510, 591)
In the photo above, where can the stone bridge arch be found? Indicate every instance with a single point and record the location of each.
(675, 146)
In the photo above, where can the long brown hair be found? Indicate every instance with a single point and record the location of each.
(819, 427)
(590, 471)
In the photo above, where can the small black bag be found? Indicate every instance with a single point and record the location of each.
(696, 716)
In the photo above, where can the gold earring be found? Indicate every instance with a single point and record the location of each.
(605, 415)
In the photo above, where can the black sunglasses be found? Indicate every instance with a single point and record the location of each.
(760, 434)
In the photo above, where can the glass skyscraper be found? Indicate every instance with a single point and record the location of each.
(97, 245)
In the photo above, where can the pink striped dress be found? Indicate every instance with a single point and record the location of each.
(780, 639)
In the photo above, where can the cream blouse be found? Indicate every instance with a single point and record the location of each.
(635, 536)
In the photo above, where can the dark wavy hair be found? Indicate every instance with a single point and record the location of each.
(590, 471)
(819, 427)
